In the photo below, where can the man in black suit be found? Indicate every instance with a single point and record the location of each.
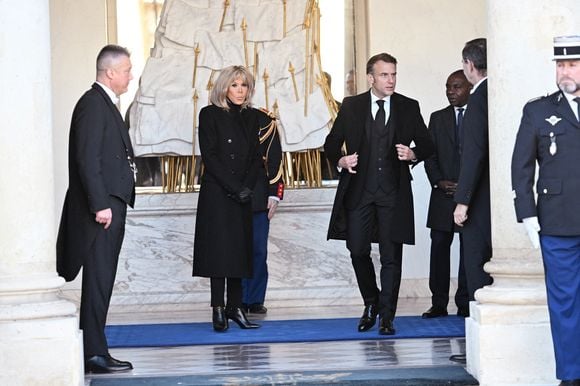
(370, 141)
(101, 185)
(472, 194)
(443, 171)
(549, 136)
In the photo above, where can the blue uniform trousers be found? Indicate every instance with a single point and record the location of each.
(255, 288)
(562, 270)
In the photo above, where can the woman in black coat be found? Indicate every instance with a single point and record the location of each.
(228, 140)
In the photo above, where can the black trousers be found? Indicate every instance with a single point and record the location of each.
(99, 271)
(375, 209)
(477, 252)
(218, 290)
(439, 271)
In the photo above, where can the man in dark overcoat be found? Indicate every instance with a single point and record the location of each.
(472, 194)
(370, 141)
(549, 137)
(101, 185)
(442, 170)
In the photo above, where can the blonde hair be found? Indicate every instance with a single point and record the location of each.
(227, 76)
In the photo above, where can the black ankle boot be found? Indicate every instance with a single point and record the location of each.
(218, 317)
(237, 315)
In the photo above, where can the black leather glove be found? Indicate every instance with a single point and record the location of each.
(244, 195)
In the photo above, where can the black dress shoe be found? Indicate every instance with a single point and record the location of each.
(573, 382)
(103, 364)
(459, 358)
(434, 312)
(218, 318)
(257, 309)
(368, 318)
(386, 327)
(463, 312)
(237, 315)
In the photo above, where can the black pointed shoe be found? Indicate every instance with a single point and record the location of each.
(386, 327)
(434, 312)
(219, 320)
(368, 318)
(237, 315)
(105, 364)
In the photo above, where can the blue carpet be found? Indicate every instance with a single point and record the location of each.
(277, 331)
(409, 376)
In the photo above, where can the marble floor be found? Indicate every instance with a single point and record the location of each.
(251, 359)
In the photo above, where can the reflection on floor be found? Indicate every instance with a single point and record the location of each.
(285, 357)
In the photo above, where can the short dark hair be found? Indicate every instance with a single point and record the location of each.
(383, 56)
(458, 73)
(476, 51)
(108, 54)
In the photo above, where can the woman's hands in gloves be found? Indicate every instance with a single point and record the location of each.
(243, 196)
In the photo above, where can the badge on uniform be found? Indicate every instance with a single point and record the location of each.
(553, 120)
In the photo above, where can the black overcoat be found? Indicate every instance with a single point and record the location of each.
(350, 129)
(99, 170)
(442, 165)
(228, 142)
(473, 185)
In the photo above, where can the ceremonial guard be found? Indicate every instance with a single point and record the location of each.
(268, 192)
(549, 136)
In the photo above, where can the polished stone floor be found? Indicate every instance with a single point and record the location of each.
(279, 358)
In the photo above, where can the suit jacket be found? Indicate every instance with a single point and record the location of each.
(228, 141)
(269, 180)
(350, 128)
(442, 165)
(545, 121)
(99, 171)
(473, 184)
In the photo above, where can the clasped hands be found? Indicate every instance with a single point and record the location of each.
(448, 187)
(349, 162)
(242, 196)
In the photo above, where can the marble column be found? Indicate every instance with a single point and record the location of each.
(39, 337)
(508, 334)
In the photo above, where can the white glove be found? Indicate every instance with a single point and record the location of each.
(532, 228)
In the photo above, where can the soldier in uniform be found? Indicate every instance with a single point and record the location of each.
(268, 192)
(549, 135)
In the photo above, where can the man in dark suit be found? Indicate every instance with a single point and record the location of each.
(370, 141)
(472, 193)
(101, 185)
(443, 171)
(549, 135)
(268, 192)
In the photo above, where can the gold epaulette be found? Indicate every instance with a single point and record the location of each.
(267, 112)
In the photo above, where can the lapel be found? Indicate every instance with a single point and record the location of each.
(565, 110)
(449, 123)
(362, 114)
(392, 125)
(121, 126)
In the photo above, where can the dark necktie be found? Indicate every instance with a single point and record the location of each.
(379, 123)
(577, 100)
(458, 128)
